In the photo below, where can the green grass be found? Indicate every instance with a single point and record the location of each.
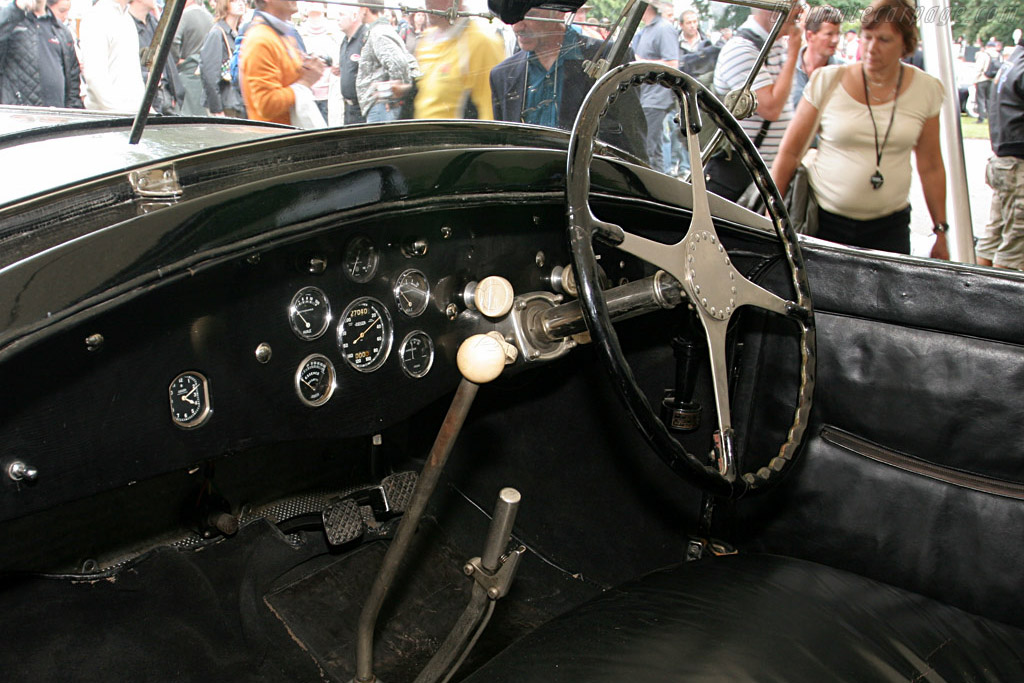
(972, 130)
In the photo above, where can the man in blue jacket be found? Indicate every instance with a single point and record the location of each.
(544, 83)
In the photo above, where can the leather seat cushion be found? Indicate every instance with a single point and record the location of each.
(764, 618)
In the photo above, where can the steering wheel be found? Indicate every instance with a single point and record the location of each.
(715, 289)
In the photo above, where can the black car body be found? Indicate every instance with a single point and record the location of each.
(175, 465)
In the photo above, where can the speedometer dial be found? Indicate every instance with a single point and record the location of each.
(365, 334)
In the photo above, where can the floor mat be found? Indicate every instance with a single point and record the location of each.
(321, 606)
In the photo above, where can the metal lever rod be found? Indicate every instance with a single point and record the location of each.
(492, 574)
(399, 547)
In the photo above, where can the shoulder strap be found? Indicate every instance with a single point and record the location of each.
(227, 42)
(748, 34)
(829, 89)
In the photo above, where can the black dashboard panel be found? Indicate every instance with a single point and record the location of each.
(94, 416)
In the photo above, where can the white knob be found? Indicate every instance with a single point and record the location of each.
(493, 296)
(482, 357)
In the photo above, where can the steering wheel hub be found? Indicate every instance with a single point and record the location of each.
(710, 275)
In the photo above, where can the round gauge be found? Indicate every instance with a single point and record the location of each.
(315, 380)
(364, 334)
(309, 313)
(361, 259)
(412, 292)
(417, 354)
(190, 400)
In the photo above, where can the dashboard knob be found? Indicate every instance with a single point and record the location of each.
(493, 296)
(482, 357)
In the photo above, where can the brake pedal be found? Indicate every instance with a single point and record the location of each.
(367, 511)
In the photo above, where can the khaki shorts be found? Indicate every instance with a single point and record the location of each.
(1003, 241)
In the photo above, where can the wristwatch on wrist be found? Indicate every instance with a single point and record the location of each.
(940, 228)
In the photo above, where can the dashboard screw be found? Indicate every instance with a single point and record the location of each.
(94, 342)
(317, 265)
(452, 311)
(264, 352)
(446, 232)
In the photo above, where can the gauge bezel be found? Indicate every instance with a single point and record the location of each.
(292, 312)
(396, 290)
(401, 354)
(205, 410)
(389, 335)
(346, 259)
(331, 371)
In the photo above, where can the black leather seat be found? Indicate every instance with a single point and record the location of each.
(763, 618)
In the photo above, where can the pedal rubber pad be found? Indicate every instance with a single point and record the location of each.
(398, 489)
(343, 522)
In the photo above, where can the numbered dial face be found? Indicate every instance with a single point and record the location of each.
(309, 313)
(412, 292)
(315, 380)
(417, 354)
(364, 334)
(190, 400)
(361, 259)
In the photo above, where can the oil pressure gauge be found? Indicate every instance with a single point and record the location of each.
(412, 292)
(309, 314)
(190, 400)
(315, 380)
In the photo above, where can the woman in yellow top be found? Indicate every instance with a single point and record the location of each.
(880, 111)
(456, 61)
(271, 63)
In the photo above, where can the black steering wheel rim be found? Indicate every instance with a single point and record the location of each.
(583, 227)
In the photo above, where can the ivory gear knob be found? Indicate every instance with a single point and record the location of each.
(482, 357)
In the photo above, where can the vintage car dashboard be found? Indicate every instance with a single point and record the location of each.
(336, 333)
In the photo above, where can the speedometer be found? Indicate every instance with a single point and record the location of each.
(365, 334)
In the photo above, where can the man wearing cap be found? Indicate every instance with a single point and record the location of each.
(656, 42)
(1002, 245)
(544, 82)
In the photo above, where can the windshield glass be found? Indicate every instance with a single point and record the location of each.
(318, 65)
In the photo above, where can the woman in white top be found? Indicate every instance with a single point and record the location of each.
(879, 110)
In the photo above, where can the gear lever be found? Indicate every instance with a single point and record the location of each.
(481, 358)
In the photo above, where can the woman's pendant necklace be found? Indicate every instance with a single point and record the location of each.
(877, 179)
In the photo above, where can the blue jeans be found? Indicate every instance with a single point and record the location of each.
(379, 113)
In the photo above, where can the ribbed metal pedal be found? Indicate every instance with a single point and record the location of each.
(343, 522)
(398, 489)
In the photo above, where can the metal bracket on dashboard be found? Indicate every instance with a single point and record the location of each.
(525, 313)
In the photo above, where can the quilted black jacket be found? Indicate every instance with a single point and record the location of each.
(19, 63)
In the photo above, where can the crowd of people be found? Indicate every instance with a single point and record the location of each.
(858, 97)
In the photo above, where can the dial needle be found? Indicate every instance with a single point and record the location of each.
(368, 328)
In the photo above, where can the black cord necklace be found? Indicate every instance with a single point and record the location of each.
(877, 179)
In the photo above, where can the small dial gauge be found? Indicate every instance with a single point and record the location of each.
(412, 292)
(190, 400)
(364, 334)
(309, 313)
(417, 354)
(361, 259)
(315, 380)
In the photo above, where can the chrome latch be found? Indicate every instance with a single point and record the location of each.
(157, 186)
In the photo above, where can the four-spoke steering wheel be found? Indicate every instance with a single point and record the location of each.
(715, 289)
